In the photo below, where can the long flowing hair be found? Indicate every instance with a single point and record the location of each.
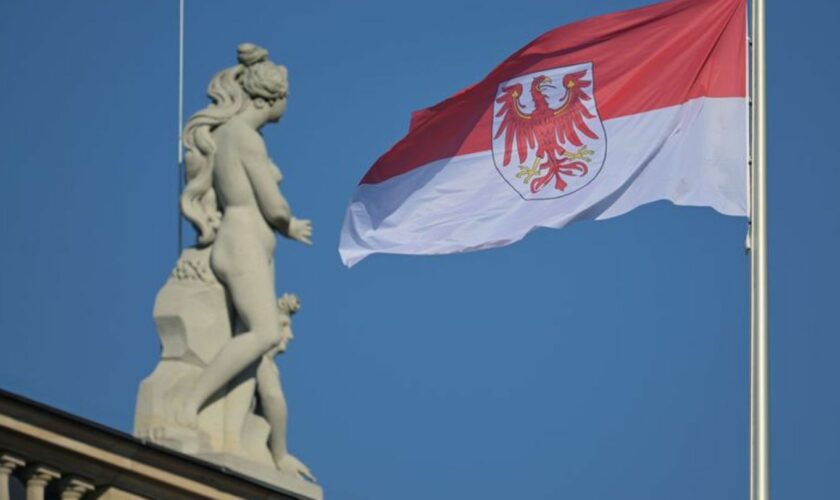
(230, 91)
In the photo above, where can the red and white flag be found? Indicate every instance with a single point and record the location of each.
(587, 122)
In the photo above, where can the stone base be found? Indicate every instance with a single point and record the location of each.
(291, 484)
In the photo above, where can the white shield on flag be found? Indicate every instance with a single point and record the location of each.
(548, 139)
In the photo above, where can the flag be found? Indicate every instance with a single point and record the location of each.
(587, 122)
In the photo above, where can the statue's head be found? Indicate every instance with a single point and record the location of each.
(287, 306)
(265, 83)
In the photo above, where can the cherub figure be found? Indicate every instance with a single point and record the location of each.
(270, 392)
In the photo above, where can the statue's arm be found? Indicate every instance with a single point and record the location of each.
(263, 177)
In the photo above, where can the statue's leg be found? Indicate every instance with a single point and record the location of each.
(238, 404)
(253, 296)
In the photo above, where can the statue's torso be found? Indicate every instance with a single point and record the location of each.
(242, 221)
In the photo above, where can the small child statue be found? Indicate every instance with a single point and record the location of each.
(270, 393)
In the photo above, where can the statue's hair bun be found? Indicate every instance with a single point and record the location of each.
(249, 54)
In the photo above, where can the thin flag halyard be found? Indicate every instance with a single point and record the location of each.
(548, 140)
(587, 122)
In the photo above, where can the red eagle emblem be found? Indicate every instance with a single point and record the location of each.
(556, 137)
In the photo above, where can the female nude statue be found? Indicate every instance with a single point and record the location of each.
(231, 198)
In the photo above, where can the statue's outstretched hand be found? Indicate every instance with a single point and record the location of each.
(290, 464)
(300, 230)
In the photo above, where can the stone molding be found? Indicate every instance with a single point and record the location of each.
(114, 464)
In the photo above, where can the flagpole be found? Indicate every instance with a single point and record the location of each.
(180, 123)
(759, 407)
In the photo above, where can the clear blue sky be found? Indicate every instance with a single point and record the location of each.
(622, 373)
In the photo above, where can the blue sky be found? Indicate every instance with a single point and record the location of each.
(621, 373)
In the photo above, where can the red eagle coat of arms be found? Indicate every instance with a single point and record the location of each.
(548, 139)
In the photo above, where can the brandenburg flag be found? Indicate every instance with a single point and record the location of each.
(587, 122)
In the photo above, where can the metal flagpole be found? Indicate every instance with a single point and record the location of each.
(759, 408)
(180, 124)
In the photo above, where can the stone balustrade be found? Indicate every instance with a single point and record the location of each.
(38, 477)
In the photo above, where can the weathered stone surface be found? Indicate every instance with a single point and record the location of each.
(193, 321)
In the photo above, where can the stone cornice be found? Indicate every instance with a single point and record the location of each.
(36, 433)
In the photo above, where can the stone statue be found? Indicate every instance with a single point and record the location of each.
(216, 391)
